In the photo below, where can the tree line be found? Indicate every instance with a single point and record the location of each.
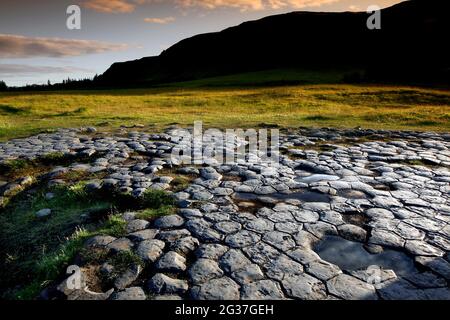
(67, 84)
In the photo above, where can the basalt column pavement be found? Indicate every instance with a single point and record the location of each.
(253, 230)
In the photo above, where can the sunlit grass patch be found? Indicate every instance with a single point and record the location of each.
(123, 260)
(76, 112)
(114, 226)
(230, 102)
(149, 214)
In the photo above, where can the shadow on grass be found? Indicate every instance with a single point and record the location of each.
(318, 118)
(10, 110)
(75, 112)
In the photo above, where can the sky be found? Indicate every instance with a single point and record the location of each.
(36, 45)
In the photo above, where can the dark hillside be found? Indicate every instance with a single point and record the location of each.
(412, 44)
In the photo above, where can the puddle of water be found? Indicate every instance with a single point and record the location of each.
(352, 256)
(307, 196)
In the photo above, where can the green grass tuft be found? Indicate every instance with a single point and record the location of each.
(50, 266)
(155, 199)
(123, 260)
(14, 165)
(115, 226)
(75, 112)
(180, 183)
(53, 158)
(30, 245)
(149, 214)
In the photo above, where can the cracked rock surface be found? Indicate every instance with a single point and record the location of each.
(250, 230)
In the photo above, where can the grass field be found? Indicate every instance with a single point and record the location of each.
(228, 102)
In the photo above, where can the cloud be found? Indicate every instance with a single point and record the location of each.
(160, 20)
(126, 6)
(246, 5)
(298, 4)
(16, 46)
(14, 70)
(213, 4)
(354, 8)
(111, 6)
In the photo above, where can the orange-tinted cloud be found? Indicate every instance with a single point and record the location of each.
(126, 6)
(213, 4)
(297, 4)
(245, 5)
(160, 20)
(354, 8)
(111, 6)
(16, 46)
